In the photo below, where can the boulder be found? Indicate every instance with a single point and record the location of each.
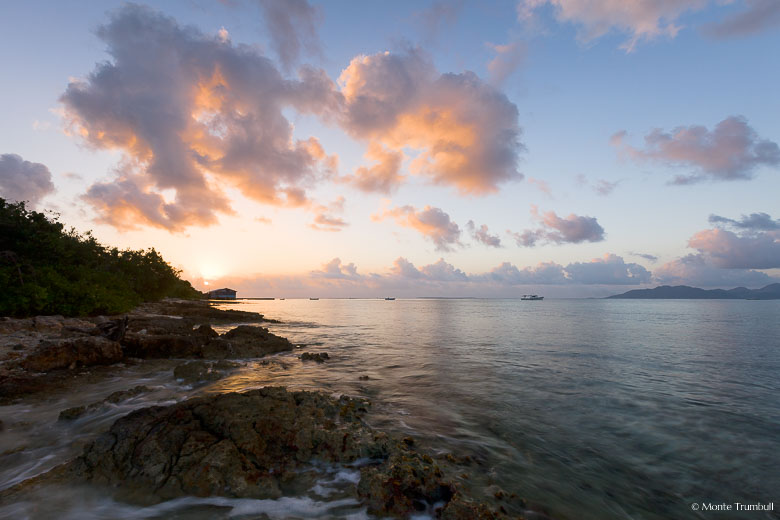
(72, 352)
(318, 357)
(234, 445)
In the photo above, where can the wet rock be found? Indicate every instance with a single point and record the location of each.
(235, 445)
(75, 412)
(196, 371)
(69, 352)
(318, 357)
(150, 346)
(245, 341)
(406, 481)
(200, 311)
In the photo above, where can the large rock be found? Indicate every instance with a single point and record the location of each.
(255, 445)
(235, 445)
(72, 352)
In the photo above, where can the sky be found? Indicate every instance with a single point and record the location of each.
(295, 148)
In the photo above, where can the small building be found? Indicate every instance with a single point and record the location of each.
(222, 294)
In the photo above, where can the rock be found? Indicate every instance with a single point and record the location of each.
(364, 378)
(246, 341)
(48, 324)
(235, 445)
(196, 371)
(117, 397)
(163, 345)
(80, 351)
(406, 482)
(319, 357)
(113, 329)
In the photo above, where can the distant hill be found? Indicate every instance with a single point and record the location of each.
(683, 292)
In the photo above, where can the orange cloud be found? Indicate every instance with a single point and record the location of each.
(464, 132)
(191, 112)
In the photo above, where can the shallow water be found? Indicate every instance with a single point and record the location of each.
(587, 408)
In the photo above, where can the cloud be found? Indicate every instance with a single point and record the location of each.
(22, 180)
(646, 256)
(760, 15)
(433, 223)
(608, 270)
(336, 270)
(732, 151)
(601, 186)
(508, 274)
(457, 130)
(726, 249)
(697, 270)
(438, 15)
(507, 60)
(641, 20)
(572, 229)
(192, 113)
(754, 221)
(292, 25)
(382, 177)
(324, 219)
(541, 185)
(482, 235)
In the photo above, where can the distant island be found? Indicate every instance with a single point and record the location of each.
(683, 292)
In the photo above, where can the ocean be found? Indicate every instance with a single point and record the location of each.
(588, 409)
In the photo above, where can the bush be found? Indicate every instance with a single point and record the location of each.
(48, 269)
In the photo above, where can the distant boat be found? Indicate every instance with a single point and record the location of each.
(389, 298)
(531, 297)
(314, 298)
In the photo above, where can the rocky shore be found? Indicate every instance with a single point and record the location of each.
(258, 444)
(43, 353)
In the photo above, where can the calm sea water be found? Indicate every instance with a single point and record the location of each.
(589, 409)
(592, 408)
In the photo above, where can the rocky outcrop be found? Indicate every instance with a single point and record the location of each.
(255, 445)
(318, 357)
(235, 445)
(72, 353)
(50, 345)
(244, 341)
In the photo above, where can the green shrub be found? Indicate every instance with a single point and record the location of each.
(48, 269)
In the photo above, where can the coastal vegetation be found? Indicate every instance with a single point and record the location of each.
(46, 268)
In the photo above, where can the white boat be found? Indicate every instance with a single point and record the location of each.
(389, 298)
(531, 297)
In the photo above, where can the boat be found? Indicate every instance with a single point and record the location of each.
(389, 298)
(531, 297)
(314, 298)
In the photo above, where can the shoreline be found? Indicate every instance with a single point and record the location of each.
(399, 481)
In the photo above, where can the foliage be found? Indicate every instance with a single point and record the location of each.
(48, 269)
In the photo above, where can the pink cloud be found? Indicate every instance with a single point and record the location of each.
(508, 59)
(728, 250)
(731, 151)
(572, 229)
(697, 270)
(482, 235)
(640, 19)
(433, 223)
